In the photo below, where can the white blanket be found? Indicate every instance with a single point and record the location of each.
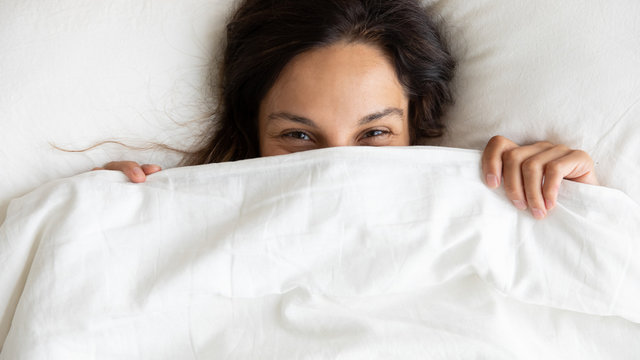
(337, 253)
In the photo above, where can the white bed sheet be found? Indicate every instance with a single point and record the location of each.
(337, 253)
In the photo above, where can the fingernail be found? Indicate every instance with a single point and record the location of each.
(492, 181)
(538, 214)
(520, 204)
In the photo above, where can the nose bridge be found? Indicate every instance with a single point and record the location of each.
(339, 137)
(337, 143)
(335, 127)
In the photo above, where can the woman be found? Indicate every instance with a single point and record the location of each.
(305, 74)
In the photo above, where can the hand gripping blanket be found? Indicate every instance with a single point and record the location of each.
(350, 253)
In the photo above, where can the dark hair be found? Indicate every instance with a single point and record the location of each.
(263, 36)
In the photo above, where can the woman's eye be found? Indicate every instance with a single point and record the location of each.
(298, 135)
(374, 133)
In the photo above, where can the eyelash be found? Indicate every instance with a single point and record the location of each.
(292, 134)
(297, 134)
(381, 133)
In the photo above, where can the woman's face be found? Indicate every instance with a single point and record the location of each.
(340, 95)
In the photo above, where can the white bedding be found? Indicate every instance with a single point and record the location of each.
(337, 253)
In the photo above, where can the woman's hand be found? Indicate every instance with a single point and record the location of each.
(524, 167)
(135, 172)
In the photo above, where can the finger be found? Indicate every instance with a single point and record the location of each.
(575, 165)
(130, 168)
(97, 168)
(492, 159)
(150, 168)
(583, 171)
(512, 171)
(533, 172)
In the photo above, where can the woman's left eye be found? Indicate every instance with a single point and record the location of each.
(374, 133)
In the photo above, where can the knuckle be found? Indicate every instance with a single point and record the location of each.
(497, 139)
(581, 153)
(511, 157)
(128, 165)
(512, 191)
(531, 165)
(124, 166)
(544, 143)
(552, 167)
(529, 172)
(513, 194)
(533, 200)
(562, 148)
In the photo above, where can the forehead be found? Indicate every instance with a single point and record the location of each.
(341, 80)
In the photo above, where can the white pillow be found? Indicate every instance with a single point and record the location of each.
(563, 71)
(76, 72)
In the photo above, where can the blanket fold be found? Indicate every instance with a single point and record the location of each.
(354, 252)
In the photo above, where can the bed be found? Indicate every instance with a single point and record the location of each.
(335, 253)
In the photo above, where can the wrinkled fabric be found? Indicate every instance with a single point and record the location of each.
(350, 253)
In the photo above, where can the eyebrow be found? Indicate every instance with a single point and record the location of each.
(381, 114)
(363, 121)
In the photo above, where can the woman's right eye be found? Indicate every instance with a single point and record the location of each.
(298, 135)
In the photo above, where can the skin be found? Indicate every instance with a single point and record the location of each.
(348, 94)
(342, 95)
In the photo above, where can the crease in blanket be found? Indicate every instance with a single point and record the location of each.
(349, 252)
